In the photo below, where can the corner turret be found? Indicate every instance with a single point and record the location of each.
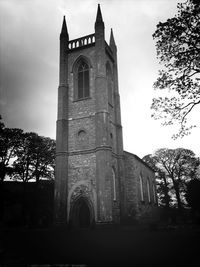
(61, 171)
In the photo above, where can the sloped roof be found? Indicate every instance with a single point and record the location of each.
(140, 160)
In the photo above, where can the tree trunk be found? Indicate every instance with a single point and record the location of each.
(177, 192)
(26, 172)
(178, 197)
(166, 191)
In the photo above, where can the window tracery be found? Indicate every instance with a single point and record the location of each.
(81, 73)
(83, 80)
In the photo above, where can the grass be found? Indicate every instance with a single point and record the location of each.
(108, 246)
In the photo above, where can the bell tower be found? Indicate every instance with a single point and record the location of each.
(89, 183)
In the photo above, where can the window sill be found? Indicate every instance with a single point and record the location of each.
(81, 99)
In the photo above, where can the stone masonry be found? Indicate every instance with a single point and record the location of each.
(96, 181)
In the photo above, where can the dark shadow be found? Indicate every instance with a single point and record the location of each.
(81, 215)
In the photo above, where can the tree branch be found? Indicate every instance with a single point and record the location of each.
(189, 110)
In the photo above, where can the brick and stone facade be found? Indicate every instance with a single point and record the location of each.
(94, 182)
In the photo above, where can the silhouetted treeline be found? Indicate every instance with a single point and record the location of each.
(24, 157)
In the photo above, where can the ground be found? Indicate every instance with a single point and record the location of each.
(111, 246)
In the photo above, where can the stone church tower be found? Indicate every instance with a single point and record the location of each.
(89, 156)
(96, 181)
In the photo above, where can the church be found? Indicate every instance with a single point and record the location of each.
(97, 182)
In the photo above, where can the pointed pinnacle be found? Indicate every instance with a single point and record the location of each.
(99, 16)
(64, 32)
(112, 40)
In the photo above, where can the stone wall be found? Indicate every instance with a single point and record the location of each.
(82, 178)
(138, 207)
(92, 139)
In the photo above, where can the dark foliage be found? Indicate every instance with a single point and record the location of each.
(29, 207)
(25, 156)
(35, 158)
(10, 140)
(174, 168)
(193, 194)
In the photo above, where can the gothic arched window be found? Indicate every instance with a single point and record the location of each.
(83, 80)
(148, 190)
(141, 188)
(114, 185)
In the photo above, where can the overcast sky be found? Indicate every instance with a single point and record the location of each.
(29, 56)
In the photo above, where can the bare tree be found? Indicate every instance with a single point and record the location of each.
(178, 50)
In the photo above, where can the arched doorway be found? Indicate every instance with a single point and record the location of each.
(81, 213)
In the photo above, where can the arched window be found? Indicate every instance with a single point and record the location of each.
(83, 83)
(148, 190)
(82, 139)
(114, 184)
(81, 135)
(154, 193)
(141, 188)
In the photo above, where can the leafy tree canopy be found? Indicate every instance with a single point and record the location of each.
(35, 158)
(174, 167)
(162, 183)
(25, 156)
(178, 49)
(10, 139)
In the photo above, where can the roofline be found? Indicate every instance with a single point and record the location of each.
(139, 159)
